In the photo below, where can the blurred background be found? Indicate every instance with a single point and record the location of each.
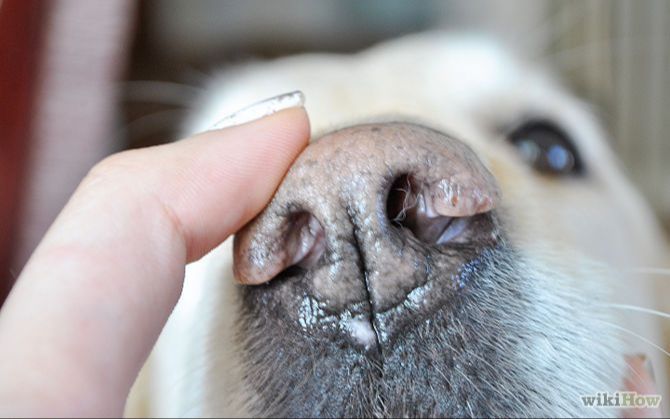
(82, 79)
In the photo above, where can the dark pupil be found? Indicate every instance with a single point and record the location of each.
(546, 148)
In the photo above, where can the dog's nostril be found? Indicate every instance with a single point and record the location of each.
(297, 239)
(409, 205)
(305, 239)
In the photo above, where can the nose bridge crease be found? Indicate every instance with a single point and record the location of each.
(364, 269)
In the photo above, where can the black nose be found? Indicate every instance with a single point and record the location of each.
(373, 226)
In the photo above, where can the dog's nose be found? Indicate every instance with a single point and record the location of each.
(372, 215)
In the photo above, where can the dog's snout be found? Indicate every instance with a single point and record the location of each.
(373, 216)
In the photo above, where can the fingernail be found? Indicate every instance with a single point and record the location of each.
(262, 109)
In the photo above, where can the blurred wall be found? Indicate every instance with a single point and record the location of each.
(617, 56)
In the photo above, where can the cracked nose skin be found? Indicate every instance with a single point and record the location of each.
(369, 214)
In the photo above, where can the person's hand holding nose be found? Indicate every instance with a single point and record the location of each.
(91, 302)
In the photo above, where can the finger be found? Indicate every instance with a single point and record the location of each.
(92, 300)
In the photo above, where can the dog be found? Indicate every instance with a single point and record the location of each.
(458, 240)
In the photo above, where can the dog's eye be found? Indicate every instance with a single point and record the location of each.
(547, 148)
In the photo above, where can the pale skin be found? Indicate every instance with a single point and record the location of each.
(91, 302)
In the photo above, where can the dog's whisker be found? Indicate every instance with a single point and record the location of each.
(636, 335)
(624, 274)
(572, 57)
(639, 309)
(197, 76)
(651, 271)
(160, 92)
(150, 123)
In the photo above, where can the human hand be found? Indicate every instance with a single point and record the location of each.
(92, 300)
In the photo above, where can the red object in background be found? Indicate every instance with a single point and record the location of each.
(59, 79)
(20, 45)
